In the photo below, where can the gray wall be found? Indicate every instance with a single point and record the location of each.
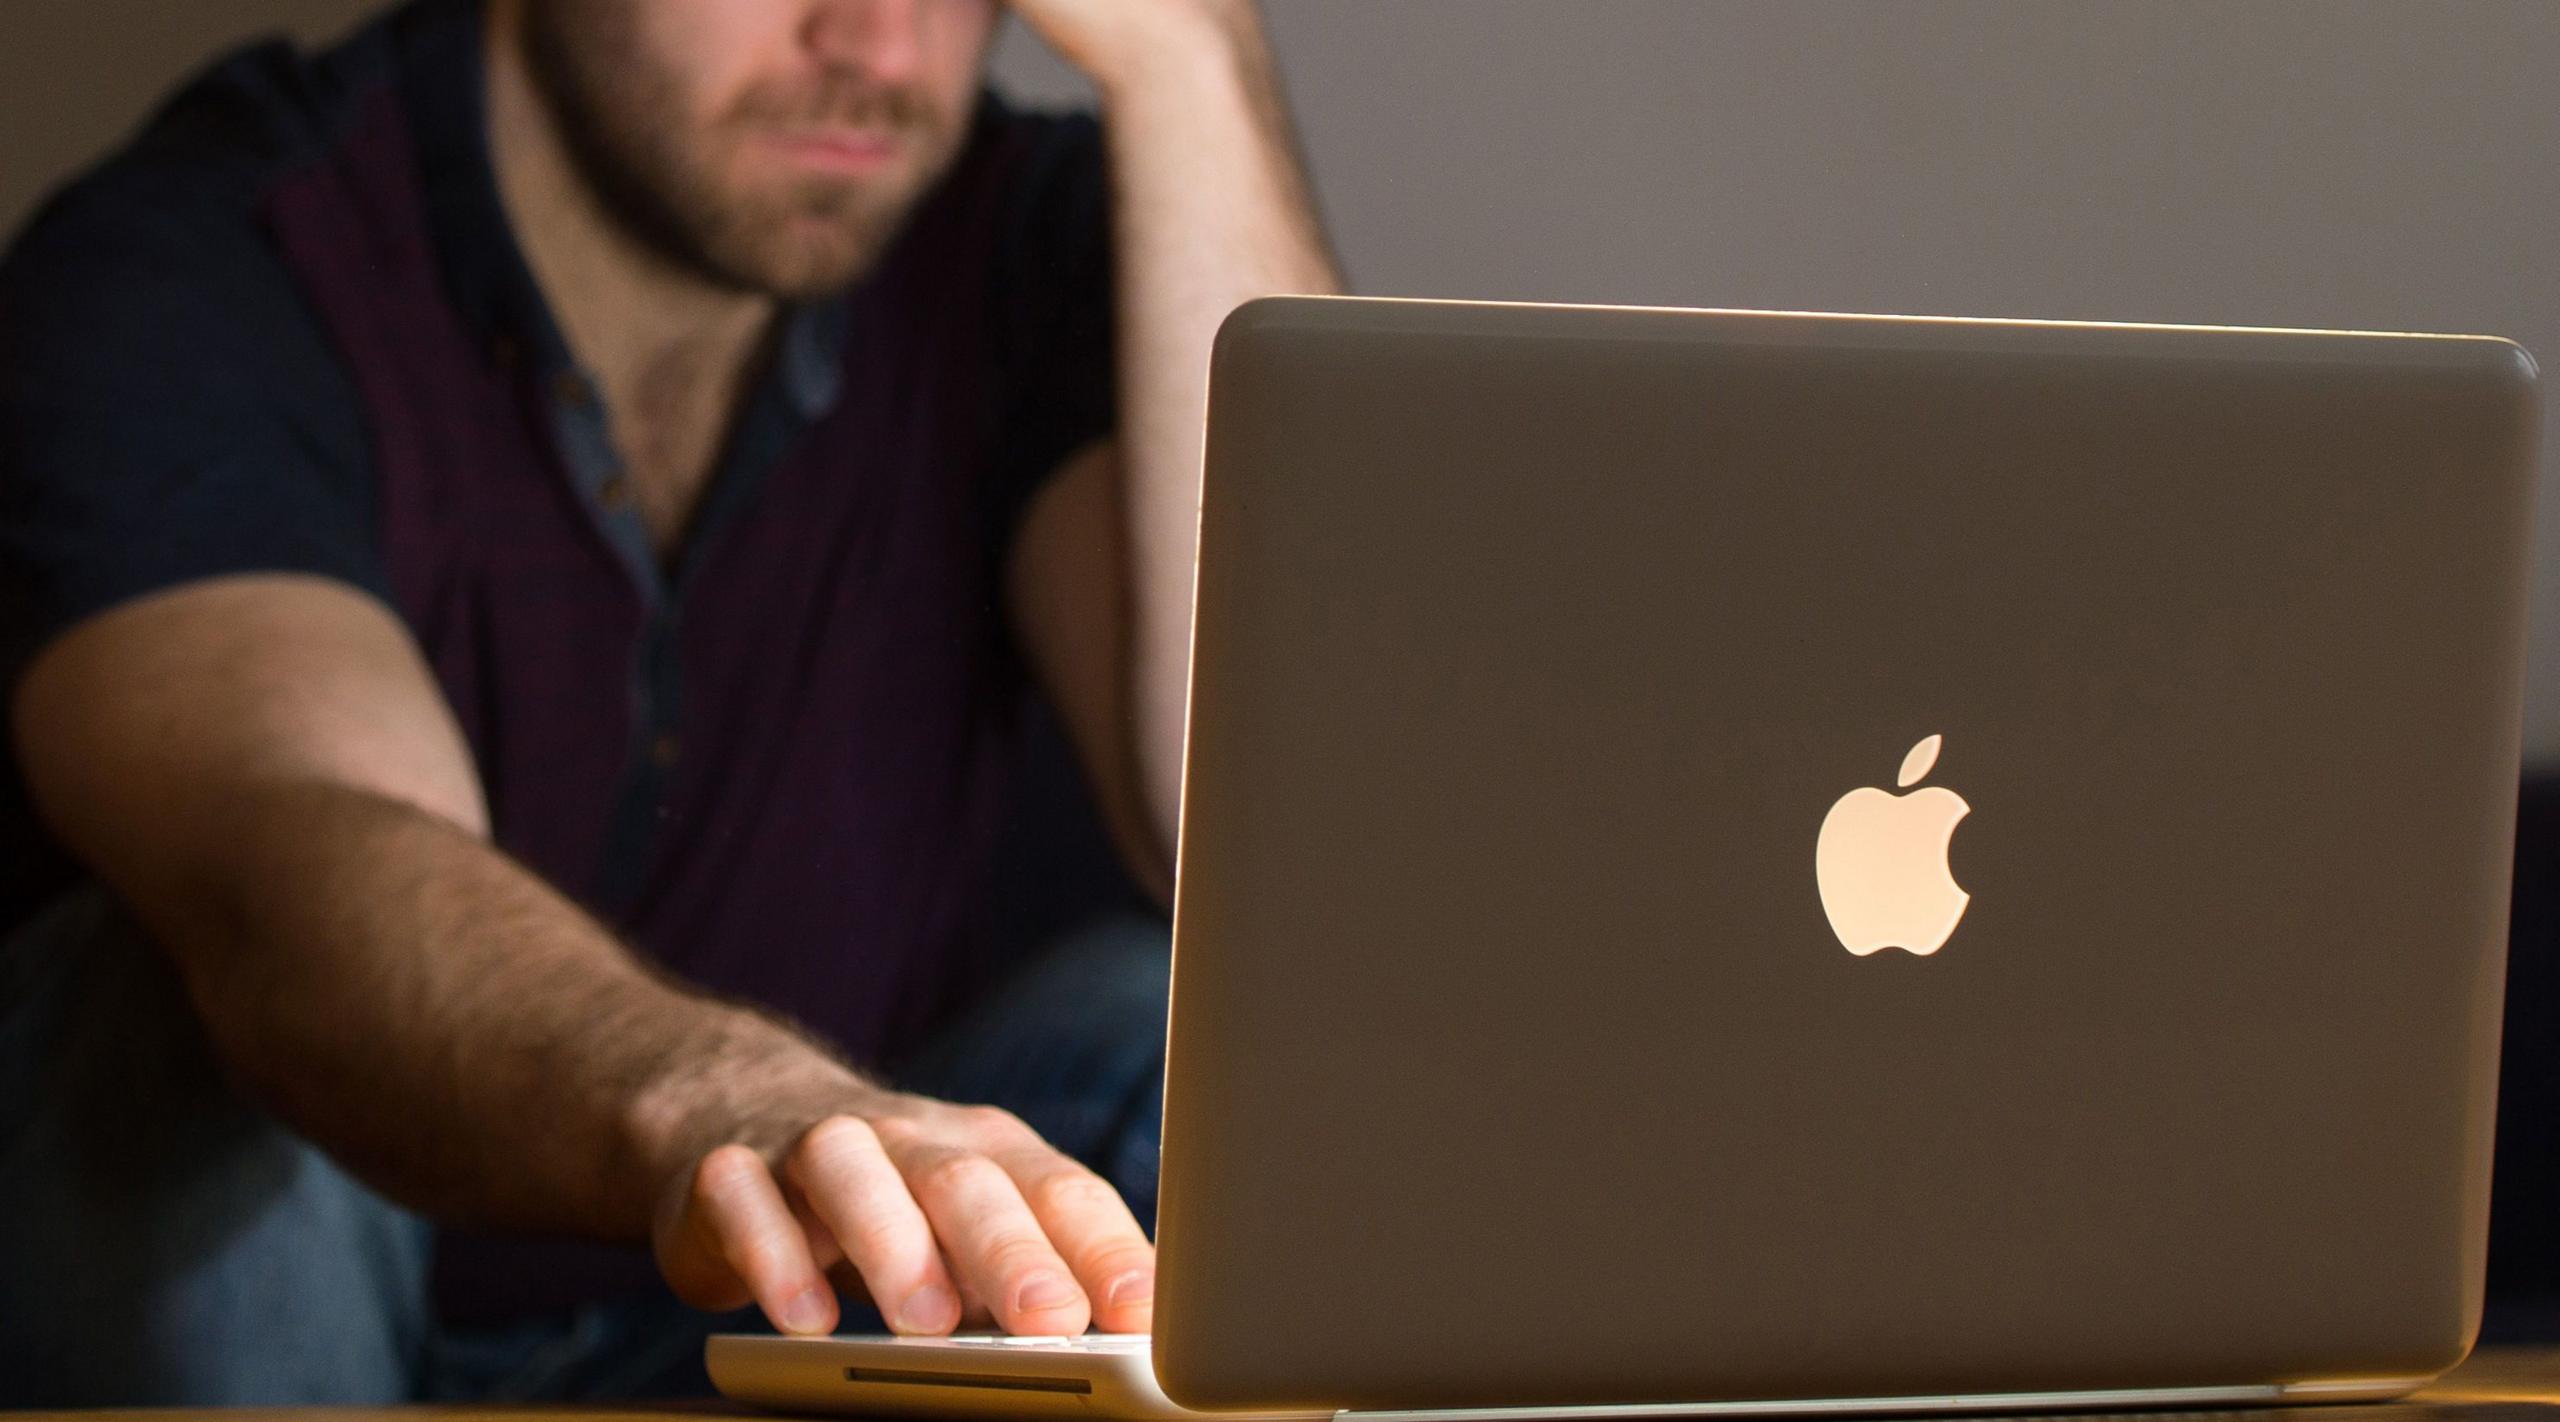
(76, 73)
(2383, 164)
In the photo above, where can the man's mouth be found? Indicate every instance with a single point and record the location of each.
(836, 148)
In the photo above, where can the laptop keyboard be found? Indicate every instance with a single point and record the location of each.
(1056, 1342)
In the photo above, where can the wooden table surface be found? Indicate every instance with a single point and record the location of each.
(2496, 1385)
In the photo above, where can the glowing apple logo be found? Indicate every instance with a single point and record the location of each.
(1881, 863)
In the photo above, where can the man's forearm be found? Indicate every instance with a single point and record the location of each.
(454, 1030)
(1213, 209)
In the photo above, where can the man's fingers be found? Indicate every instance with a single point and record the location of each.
(941, 1214)
(822, 1240)
(1093, 1230)
(993, 1240)
(841, 1172)
(737, 1204)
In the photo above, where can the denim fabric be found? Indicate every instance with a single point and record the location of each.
(1073, 1043)
(167, 1243)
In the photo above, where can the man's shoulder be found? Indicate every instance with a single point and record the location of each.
(1036, 181)
(1013, 155)
(1039, 129)
(182, 191)
(163, 377)
(1026, 149)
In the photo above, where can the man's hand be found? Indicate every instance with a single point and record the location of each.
(940, 1212)
(1109, 40)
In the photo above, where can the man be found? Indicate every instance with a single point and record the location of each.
(554, 475)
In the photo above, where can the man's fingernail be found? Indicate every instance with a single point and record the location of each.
(1136, 1287)
(806, 1313)
(1045, 1290)
(930, 1309)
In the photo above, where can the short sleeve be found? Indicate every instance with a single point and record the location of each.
(1054, 307)
(169, 411)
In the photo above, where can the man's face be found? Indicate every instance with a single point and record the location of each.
(768, 145)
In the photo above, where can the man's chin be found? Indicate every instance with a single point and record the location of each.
(814, 275)
(794, 259)
(808, 243)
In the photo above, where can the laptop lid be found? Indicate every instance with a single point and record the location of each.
(1519, 1053)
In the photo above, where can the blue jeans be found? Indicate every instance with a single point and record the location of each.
(163, 1242)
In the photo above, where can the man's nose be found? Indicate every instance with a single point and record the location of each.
(880, 38)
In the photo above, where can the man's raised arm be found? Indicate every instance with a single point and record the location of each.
(1211, 208)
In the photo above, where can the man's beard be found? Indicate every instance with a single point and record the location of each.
(617, 112)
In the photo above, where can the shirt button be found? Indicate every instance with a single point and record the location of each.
(662, 751)
(615, 491)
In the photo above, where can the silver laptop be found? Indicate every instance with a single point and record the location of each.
(1791, 862)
